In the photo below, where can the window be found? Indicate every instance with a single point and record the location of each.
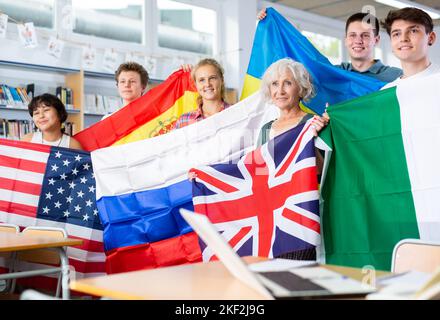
(40, 12)
(112, 19)
(328, 46)
(186, 27)
(378, 53)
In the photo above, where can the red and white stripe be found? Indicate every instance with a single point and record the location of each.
(21, 176)
(22, 168)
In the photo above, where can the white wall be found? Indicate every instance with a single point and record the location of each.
(237, 23)
(167, 60)
(238, 29)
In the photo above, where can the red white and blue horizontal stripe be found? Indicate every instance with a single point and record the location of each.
(142, 185)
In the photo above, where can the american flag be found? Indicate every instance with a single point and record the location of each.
(267, 203)
(53, 187)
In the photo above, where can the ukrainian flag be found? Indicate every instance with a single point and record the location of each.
(276, 38)
(148, 116)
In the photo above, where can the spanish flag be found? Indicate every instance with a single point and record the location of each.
(151, 115)
(276, 38)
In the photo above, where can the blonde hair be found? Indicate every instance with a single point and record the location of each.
(220, 71)
(300, 75)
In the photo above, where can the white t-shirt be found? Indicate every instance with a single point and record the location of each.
(432, 68)
(64, 141)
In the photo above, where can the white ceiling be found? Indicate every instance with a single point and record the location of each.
(342, 9)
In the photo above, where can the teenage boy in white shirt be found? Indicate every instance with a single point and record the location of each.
(131, 80)
(411, 33)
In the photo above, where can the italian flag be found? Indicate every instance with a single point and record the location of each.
(382, 173)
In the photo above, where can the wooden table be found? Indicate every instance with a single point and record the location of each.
(198, 281)
(355, 273)
(15, 242)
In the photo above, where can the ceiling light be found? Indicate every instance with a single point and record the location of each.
(434, 14)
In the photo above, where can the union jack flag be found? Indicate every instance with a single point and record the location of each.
(267, 203)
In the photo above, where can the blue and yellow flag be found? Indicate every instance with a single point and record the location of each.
(276, 38)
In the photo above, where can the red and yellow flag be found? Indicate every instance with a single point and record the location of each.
(151, 115)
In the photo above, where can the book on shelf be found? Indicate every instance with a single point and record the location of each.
(100, 104)
(13, 96)
(69, 128)
(23, 95)
(113, 103)
(2, 96)
(90, 103)
(69, 99)
(15, 129)
(8, 95)
(30, 89)
(66, 96)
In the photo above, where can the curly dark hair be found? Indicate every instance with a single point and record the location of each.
(136, 67)
(47, 99)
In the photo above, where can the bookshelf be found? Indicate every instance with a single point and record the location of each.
(75, 81)
(83, 84)
(99, 87)
(45, 79)
(49, 79)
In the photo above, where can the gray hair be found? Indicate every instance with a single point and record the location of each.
(300, 75)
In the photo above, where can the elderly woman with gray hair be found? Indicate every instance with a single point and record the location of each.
(285, 83)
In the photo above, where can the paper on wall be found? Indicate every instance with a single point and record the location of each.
(55, 47)
(3, 25)
(27, 35)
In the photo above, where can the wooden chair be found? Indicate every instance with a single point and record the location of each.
(44, 256)
(414, 254)
(7, 256)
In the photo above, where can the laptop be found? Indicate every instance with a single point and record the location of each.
(311, 281)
